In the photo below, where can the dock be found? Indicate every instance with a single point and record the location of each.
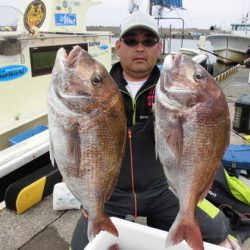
(43, 228)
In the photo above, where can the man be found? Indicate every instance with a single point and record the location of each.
(142, 188)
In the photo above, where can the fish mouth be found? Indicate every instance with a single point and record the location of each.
(172, 85)
(178, 59)
(175, 89)
(62, 70)
(171, 67)
(171, 63)
(167, 68)
(74, 96)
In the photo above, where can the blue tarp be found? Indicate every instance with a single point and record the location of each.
(168, 3)
(237, 157)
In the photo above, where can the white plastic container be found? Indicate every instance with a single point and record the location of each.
(63, 199)
(134, 236)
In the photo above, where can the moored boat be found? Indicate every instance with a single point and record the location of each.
(232, 48)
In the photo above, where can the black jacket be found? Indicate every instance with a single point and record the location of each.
(140, 166)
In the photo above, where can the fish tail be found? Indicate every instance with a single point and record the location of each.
(187, 229)
(104, 224)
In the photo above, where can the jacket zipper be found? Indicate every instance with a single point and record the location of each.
(132, 173)
(131, 149)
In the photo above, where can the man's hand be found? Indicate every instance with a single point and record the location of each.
(114, 247)
(231, 244)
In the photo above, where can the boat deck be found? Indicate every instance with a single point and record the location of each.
(42, 228)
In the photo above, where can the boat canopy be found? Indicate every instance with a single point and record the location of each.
(168, 3)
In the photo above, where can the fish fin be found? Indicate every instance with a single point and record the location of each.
(175, 138)
(74, 148)
(153, 108)
(156, 152)
(51, 150)
(203, 194)
(185, 229)
(85, 214)
(155, 137)
(105, 224)
(156, 143)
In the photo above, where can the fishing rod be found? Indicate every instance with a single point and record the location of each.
(220, 56)
(242, 137)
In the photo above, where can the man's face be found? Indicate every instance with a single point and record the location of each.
(138, 51)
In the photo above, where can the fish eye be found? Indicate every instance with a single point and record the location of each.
(198, 76)
(96, 79)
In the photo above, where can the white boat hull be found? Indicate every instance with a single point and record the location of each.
(230, 49)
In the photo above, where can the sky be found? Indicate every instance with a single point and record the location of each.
(201, 14)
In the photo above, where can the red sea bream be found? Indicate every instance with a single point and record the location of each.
(87, 128)
(192, 127)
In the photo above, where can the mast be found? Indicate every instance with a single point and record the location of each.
(150, 7)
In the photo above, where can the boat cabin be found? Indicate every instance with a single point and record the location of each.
(242, 28)
(27, 54)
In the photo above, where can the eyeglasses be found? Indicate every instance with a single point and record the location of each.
(131, 42)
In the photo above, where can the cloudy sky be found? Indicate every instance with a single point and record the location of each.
(197, 13)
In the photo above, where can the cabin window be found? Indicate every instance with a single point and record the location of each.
(10, 47)
(241, 27)
(43, 58)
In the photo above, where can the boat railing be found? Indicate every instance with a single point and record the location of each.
(174, 18)
(22, 153)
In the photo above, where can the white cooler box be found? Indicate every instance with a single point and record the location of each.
(134, 236)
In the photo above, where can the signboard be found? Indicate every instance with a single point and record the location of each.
(12, 72)
(65, 19)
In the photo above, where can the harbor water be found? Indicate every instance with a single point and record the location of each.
(177, 44)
